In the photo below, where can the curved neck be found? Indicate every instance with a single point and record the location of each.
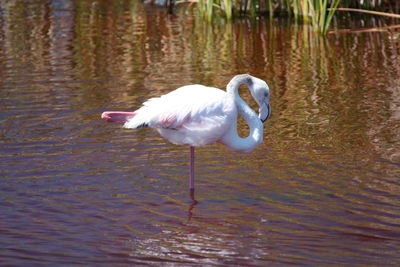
(232, 139)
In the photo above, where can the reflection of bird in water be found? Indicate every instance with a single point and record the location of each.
(191, 207)
(197, 115)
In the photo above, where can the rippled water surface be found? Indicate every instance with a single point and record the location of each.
(322, 189)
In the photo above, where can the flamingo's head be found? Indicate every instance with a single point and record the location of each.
(260, 91)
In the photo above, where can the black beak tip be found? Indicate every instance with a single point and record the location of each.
(266, 118)
(268, 115)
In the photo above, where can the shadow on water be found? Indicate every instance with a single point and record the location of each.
(322, 189)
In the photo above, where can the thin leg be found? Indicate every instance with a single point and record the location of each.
(191, 182)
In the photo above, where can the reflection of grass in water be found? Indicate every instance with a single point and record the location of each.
(318, 88)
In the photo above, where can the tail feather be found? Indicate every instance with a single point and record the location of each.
(137, 122)
(143, 125)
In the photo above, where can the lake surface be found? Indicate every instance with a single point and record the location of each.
(322, 189)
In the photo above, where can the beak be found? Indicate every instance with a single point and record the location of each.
(264, 111)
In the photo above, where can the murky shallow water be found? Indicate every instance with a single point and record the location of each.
(323, 188)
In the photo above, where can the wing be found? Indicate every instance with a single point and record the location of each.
(193, 114)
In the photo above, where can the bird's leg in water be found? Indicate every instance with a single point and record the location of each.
(191, 182)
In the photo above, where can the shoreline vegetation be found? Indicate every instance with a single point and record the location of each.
(317, 13)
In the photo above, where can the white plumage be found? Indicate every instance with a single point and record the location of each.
(193, 115)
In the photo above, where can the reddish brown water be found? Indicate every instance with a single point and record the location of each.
(322, 189)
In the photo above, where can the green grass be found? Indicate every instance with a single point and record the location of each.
(307, 11)
(317, 13)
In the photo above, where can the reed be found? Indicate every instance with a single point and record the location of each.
(228, 7)
(322, 14)
(317, 13)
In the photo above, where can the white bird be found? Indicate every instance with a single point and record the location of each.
(198, 115)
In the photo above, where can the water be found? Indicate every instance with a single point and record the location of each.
(322, 189)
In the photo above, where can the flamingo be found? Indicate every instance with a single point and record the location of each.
(198, 115)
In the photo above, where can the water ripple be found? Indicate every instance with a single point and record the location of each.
(322, 189)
